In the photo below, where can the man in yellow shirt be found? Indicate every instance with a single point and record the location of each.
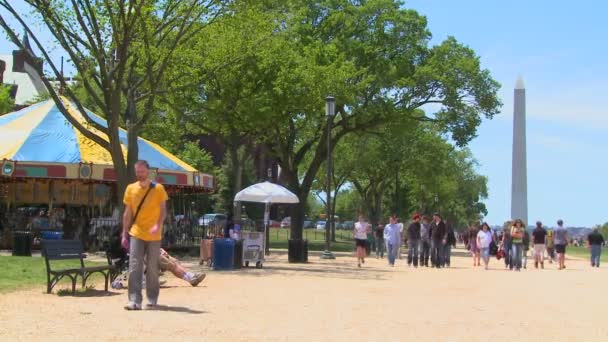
(145, 211)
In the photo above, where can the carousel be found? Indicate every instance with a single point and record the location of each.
(53, 178)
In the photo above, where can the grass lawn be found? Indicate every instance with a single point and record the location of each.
(316, 239)
(18, 273)
(583, 252)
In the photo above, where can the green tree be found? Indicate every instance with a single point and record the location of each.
(349, 205)
(342, 167)
(224, 197)
(193, 155)
(222, 63)
(272, 63)
(7, 104)
(121, 51)
(375, 57)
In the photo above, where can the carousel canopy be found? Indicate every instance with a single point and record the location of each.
(39, 142)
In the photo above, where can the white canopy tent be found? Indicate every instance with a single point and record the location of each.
(267, 193)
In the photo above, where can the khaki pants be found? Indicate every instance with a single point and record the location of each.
(539, 251)
(143, 252)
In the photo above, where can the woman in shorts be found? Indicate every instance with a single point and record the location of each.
(473, 246)
(484, 240)
(362, 228)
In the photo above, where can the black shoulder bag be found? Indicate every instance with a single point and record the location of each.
(152, 185)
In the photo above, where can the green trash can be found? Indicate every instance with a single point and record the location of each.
(22, 243)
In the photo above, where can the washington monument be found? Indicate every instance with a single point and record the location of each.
(519, 177)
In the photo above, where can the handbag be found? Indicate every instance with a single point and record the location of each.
(500, 254)
(493, 248)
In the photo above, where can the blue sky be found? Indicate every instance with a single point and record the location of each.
(558, 48)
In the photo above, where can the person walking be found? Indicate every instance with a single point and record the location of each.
(379, 235)
(525, 247)
(507, 244)
(360, 234)
(595, 241)
(539, 236)
(560, 236)
(450, 241)
(550, 243)
(472, 239)
(401, 236)
(145, 211)
(425, 241)
(517, 238)
(413, 240)
(392, 238)
(484, 240)
(438, 239)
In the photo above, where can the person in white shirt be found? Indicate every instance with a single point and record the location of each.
(392, 238)
(401, 227)
(484, 240)
(362, 228)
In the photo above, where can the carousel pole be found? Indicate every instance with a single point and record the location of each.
(51, 194)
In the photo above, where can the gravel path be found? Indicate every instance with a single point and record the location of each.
(332, 301)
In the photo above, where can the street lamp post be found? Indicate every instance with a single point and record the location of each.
(330, 111)
(267, 237)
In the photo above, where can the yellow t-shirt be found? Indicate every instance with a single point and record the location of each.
(150, 210)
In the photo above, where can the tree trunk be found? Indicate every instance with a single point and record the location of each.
(375, 207)
(297, 218)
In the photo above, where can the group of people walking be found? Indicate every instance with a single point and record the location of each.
(515, 241)
(427, 241)
(432, 240)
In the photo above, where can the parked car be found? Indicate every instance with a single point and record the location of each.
(212, 219)
(308, 224)
(286, 223)
(321, 224)
(348, 225)
(274, 224)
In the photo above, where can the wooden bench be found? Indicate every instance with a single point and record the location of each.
(66, 250)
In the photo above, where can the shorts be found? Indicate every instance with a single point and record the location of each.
(539, 250)
(167, 262)
(361, 243)
(560, 249)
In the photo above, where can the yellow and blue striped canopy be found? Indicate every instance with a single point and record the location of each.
(41, 134)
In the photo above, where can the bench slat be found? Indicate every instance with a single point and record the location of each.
(62, 249)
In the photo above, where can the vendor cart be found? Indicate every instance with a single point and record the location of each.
(254, 243)
(253, 248)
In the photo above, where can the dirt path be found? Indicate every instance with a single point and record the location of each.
(331, 301)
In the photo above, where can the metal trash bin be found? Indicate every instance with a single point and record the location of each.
(223, 254)
(22, 243)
